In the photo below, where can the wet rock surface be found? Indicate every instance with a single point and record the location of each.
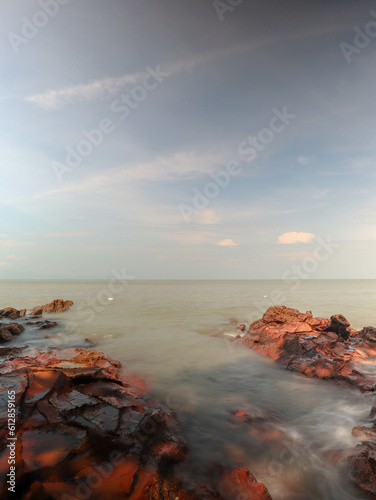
(327, 349)
(85, 429)
(33, 318)
(8, 330)
(55, 306)
(316, 347)
(42, 325)
(11, 313)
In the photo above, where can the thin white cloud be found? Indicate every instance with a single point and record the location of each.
(187, 164)
(4, 264)
(305, 160)
(181, 164)
(16, 243)
(227, 243)
(53, 99)
(293, 237)
(74, 234)
(57, 98)
(354, 166)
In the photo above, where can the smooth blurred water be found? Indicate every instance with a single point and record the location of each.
(171, 334)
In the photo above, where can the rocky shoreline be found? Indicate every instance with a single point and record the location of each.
(88, 428)
(9, 328)
(85, 429)
(326, 349)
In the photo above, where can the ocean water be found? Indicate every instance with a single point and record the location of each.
(172, 334)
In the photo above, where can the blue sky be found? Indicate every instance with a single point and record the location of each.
(176, 88)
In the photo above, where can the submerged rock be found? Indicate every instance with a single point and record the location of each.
(242, 484)
(359, 465)
(43, 325)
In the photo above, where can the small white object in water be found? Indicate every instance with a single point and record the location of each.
(110, 298)
(234, 335)
(265, 296)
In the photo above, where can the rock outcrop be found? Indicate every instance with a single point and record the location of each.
(316, 347)
(55, 306)
(11, 313)
(86, 430)
(326, 349)
(8, 330)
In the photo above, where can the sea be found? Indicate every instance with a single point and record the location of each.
(178, 337)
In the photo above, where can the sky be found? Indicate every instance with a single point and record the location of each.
(191, 139)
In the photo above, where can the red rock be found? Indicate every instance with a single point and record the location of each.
(11, 313)
(171, 450)
(41, 448)
(369, 333)
(303, 328)
(40, 384)
(326, 349)
(7, 331)
(339, 325)
(57, 305)
(36, 312)
(299, 342)
(240, 483)
(282, 314)
(87, 430)
(364, 433)
(252, 414)
(5, 335)
(359, 464)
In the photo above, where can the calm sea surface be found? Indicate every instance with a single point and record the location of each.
(171, 333)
